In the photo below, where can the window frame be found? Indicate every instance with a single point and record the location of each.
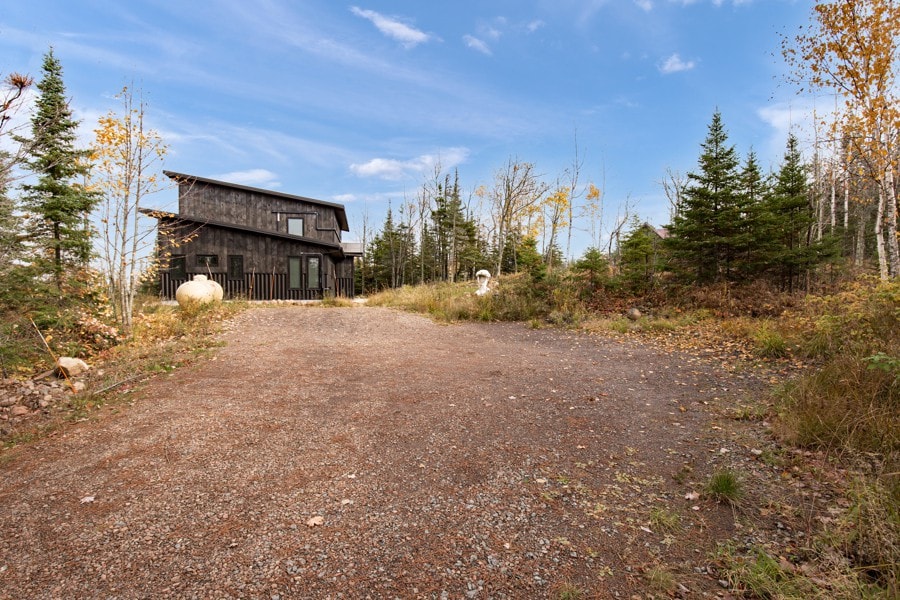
(299, 263)
(234, 259)
(212, 260)
(177, 267)
(306, 279)
(302, 226)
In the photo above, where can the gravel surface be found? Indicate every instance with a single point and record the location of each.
(370, 453)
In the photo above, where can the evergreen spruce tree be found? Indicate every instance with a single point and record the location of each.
(754, 242)
(792, 216)
(10, 231)
(640, 257)
(391, 253)
(456, 245)
(704, 232)
(57, 204)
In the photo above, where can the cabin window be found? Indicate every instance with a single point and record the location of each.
(295, 226)
(295, 278)
(207, 260)
(235, 267)
(177, 267)
(313, 274)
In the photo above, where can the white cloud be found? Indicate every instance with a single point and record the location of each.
(798, 117)
(645, 5)
(674, 64)
(393, 169)
(491, 32)
(403, 33)
(252, 177)
(534, 25)
(475, 44)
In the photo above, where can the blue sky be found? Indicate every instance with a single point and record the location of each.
(354, 102)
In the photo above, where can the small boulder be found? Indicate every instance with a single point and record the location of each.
(633, 314)
(19, 411)
(67, 366)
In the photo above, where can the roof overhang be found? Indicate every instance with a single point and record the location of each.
(163, 215)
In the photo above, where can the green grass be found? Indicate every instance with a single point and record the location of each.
(760, 576)
(768, 342)
(664, 520)
(725, 486)
(660, 579)
(568, 591)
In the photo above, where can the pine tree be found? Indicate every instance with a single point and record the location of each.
(754, 243)
(792, 217)
(10, 233)
(57, 205)
(457, 249)
(704, 232)
(640, 256)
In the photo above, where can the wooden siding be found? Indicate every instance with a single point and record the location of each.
(256, 210)
(261, 253)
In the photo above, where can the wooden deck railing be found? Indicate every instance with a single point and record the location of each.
(261, 286)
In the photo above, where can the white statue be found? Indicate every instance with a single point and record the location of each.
(482, 277)
(200, 290)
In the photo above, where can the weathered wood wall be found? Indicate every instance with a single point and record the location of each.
(257, 210)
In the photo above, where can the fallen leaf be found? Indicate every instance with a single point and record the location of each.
(317, 520)
(87, 499)
(692, 496)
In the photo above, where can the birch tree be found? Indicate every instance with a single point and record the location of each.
(516, 195)
(852, 49)
(128, 159)
(14, 87)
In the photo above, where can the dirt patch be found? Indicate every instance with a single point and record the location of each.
(364, 452)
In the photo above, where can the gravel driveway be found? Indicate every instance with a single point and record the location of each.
(369, 453)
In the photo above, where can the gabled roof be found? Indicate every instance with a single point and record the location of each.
(170, 216)
(662, 232)
(339, 208)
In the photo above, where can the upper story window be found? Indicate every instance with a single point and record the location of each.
(295, 226)
(207, 260)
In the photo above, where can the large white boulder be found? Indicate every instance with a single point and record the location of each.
(200, 290)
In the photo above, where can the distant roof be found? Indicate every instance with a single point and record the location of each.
(660, 231)
(352, 248)
(339, 208)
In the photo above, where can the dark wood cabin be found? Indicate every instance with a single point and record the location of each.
(258, 244)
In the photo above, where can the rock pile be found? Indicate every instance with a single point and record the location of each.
(20, 399)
